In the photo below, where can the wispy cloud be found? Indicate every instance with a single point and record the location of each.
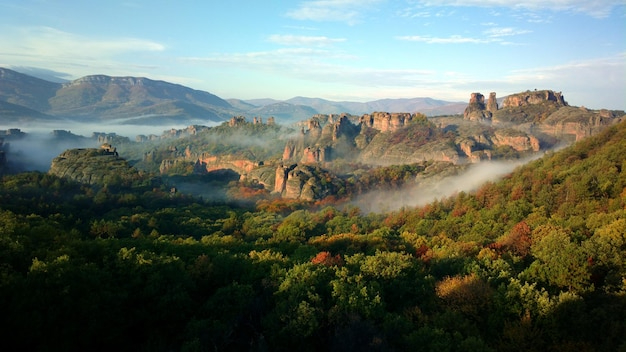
(348, 11)
(298, 40)
(582, 74)
(596, 8)
(315, 65)
(497, 32)
(46, 44)
(75, 53)
(281, 59)
(492, 35)
(454, 39)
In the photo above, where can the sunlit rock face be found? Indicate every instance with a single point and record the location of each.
(534, 97)
(517, 140)
(477, 110)
(305, 182)
(386, 122)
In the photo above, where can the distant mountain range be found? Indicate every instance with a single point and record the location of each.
(138, 100)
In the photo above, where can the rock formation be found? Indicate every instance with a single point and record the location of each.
(316, 154)
(280, 181)
(386, 122)
(578, 123)
(492, 103)
(239, 165)
(476, 110)
(207, 162)
(236, 121)
(475, 148)
(516, 139)
(95, 166)
(305, 182)
(12, 134)
(534, 97)
(317, 143)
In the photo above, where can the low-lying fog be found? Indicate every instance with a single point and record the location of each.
(35, 151)
(422, 193)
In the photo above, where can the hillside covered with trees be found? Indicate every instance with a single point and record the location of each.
(534, 262)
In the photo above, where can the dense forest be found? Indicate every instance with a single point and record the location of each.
(534, 262)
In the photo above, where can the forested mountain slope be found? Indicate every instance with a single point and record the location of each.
(535, 262)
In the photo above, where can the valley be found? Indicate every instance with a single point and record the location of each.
(496, 228)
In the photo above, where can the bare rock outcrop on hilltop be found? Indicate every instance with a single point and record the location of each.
(527, 123)
(386, 122)
(530, 120)
(101, 166)
(533, 98)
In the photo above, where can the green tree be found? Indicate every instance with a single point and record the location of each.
(559, 262)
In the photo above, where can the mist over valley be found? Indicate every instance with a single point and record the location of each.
(308, 152)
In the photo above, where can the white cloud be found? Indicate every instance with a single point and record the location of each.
(454, 39)
(281, 59)
(504, 32)
(493, 35)
(47, 41)
(314, 65)
(75, 54)
(304, 40)
(596, 8)
(349, 11)
(59, 50)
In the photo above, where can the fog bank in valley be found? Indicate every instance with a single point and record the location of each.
(35, 151)
(430, 189)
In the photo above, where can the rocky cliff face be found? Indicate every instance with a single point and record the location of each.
(382, 139)
(534, 97)
(305, 182)
(386, 122)
(516, 139)
(438, 150)
(206, 162)
(578, 122)
(492, 103)
(317, 143)
(529, 119)
(94, 166)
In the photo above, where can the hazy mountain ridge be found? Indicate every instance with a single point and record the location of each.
(22, 114)
(101, 97)
(427, 106)
(26, 91)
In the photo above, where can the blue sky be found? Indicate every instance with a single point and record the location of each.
(356, 50)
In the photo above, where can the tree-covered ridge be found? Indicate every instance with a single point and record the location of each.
(535, 262)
